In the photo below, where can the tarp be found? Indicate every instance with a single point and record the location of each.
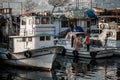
(77, 29)
(90, 13)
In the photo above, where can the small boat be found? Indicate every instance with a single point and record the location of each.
(33, 46)
(96, 51)
(113, 40)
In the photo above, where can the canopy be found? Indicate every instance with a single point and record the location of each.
(77, 29)
(90, 13)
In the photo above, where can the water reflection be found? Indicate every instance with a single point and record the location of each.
(8, 73)
(68, 68)
(87, 69)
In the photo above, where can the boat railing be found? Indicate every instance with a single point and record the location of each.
(64, 42)
(61, 42)
(45, 25)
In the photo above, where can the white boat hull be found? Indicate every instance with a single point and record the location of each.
(42, 59)
(101, 53)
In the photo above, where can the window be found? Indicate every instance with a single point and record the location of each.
(65, 23)
(52, 20)
(37, 21)
(30, 39)
(47, 37)
(45, 20)
(93, 21)
(42, 38)
(23, 21)
(30, 21)
(68, 23)
(23, 39)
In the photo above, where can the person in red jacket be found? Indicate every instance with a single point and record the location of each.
(87, 41)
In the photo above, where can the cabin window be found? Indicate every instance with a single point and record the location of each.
(30, 21)
(93, 22)
(96, 31)
(37, 21)
(47, 37)
(42, 38)
(23, 39)
(23, 21)
(64, 23)
(45, 20)
(52, 20)
(30, 39)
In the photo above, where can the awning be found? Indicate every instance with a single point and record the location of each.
(90, 13)
(77, 29)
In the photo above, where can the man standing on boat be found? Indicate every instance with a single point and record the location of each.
(77, 43)
(87, 41)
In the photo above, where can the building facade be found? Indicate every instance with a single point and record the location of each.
(18, 5)
(106, 4)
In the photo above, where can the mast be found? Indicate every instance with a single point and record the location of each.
(77, 3)
(91, 4)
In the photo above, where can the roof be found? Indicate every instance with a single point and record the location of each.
(36, 35)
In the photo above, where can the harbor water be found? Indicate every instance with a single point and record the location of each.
(68, 68)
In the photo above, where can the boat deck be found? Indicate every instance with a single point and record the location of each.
(97, 52)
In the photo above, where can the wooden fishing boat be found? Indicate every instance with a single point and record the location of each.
(33, 46)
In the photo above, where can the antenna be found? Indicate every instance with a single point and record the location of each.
(77, 3)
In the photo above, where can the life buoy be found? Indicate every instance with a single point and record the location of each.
(8, 55)
(28, 54)
(75, 53)
(102, 26)
(110, 33)
(93, 54)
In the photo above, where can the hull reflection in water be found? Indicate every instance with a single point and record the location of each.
(7, 73)
(87, 69)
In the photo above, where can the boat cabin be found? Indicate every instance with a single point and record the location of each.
(36, 31)
(67, 42)
(95, 32)
(112, 37)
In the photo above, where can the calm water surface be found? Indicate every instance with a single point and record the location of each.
(68, 68)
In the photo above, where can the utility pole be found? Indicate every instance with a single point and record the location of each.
(77, 3)
(91, 4)
(1, 5)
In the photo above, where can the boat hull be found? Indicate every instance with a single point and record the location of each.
(83, 53)
(38, 59)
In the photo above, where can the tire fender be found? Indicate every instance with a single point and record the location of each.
(28, 54)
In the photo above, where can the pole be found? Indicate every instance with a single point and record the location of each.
(91, 4)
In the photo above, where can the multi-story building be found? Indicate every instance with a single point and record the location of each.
(106, 4)
(96, 3)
